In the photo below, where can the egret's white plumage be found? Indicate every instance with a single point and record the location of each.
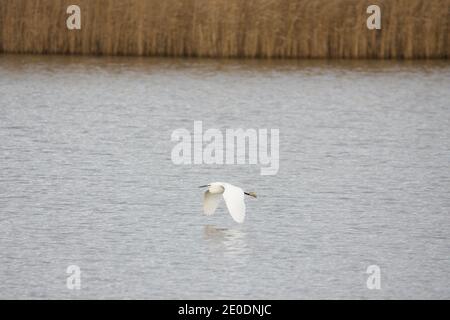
(234, 199)
(211, 202)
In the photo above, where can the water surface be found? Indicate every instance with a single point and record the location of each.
(86, 178)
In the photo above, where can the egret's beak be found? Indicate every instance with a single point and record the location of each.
(203, 186)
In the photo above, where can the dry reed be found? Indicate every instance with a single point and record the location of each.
(228, 28)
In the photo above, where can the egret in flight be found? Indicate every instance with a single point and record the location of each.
(234, 199)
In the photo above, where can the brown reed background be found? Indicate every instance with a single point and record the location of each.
(228, 28)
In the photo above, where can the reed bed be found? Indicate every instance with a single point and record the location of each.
(228, 28)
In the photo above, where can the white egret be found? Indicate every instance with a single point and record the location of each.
(234, 199)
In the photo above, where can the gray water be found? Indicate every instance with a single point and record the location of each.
(86, 179)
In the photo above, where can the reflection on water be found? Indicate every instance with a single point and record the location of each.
(230, 241)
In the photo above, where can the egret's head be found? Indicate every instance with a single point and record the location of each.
(215, 187)
(251, 194)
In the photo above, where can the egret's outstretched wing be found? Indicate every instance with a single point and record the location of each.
(210, 202)
(234, 198)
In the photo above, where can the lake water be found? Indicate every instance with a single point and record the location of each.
(86, 179)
